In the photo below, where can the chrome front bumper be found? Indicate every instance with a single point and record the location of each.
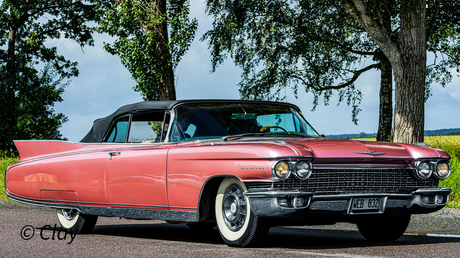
(280, 204)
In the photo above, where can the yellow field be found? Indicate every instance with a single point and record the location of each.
(445, 140)
(431, 140)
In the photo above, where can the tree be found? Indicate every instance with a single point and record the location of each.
(408, 53)
(143, 43)
(32, 74)
(320, 45)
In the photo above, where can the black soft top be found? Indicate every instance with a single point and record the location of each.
(101, 125)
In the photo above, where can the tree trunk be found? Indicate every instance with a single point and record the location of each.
(10, 111)
(408, 60)
(167, 89)
(386, 86)
(386, 100)
(409, 72)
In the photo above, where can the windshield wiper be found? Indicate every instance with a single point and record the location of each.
(295, 134)
(239, 136)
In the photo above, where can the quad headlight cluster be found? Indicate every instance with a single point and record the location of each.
(440, 169)
(300, 169)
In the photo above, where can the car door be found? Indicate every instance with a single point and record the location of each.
(136, 168)
(137, 176)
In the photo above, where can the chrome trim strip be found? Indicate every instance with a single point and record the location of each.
(98, 150)
(155, 214)
(56, 206)
(438, 157)
(437, 190)
(290, 157)
(360, 195)
(49, 203)
(372, 153)
(361, 168)
(214, 141)
(273, 194)
(129, 213)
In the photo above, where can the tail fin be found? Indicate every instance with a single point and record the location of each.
(33, 148)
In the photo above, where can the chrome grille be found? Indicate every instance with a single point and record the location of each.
(336, 181)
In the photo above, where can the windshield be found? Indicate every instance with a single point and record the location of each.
(210, 120)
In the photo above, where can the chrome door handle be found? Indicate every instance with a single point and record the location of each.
(116, 153)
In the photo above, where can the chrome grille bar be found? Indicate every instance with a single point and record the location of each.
(336, 181)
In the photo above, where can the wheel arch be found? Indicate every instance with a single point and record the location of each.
(207, 198)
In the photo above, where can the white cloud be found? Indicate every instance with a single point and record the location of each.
(442, 108)
(453, 88)
(455, 94)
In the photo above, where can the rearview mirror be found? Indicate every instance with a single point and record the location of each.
(244, 116)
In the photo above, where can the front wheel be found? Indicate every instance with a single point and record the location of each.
(75, 222)
(386, 228)
(237, 224)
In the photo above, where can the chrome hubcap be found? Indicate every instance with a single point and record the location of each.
(234, 207)
(69, 214)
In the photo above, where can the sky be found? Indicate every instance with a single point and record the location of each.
(105, 85)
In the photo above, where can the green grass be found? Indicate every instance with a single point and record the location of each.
(4, 163)
(452, 146)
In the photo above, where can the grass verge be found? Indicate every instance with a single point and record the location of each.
(452, 146)
(4, 163)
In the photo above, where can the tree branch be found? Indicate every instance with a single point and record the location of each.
(45, 32)
(356, 75)
(357, 8)
(363, 53)
(432, 24)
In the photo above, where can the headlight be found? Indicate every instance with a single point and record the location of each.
(423, 170)
(302, 170)
(281, 170)
(442, 170)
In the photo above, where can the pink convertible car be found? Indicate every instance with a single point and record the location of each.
(243, 165)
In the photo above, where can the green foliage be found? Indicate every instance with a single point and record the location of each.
(4, 163)
(453, 181)
(32, 75)
(142, 41)
(314, 45)
(318, 45)
(444, 42)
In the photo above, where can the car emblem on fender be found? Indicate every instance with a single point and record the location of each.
(373, 153)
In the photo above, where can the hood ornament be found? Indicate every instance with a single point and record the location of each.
(372, 153)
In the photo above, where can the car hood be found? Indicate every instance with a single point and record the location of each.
(337, 150)
(345, 148)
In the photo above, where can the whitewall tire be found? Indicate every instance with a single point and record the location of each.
(237, 225)
(75, 222)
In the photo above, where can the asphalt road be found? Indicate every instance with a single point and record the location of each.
(435, 235)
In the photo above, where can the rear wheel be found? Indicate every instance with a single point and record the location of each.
(387, 228)
(75, 222)
(237, 225)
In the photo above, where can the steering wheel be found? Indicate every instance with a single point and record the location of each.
(267, 128)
